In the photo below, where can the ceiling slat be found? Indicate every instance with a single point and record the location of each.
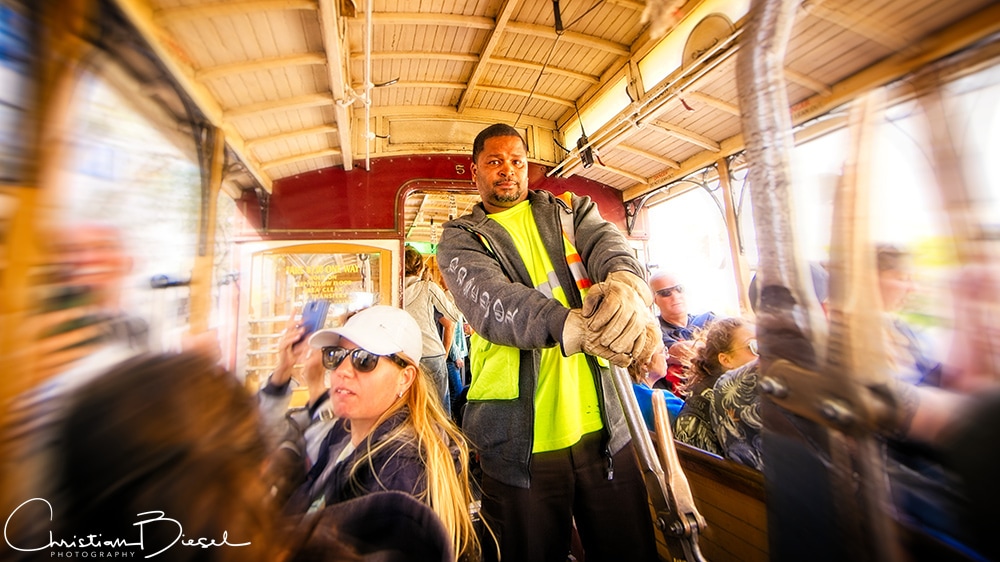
(422, 19)
(588, 41)
(686, 135)
(523, 93)
(655, 157)
(803, 80)
(626, 174)
(299, 157)
(706, 99)
(323, 129)
(260, 64)
(418, 55)
(530, 65)
(226, 9)
(300, 102)
(506, 9)
(337, 76)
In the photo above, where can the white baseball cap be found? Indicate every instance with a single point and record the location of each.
(382, 330)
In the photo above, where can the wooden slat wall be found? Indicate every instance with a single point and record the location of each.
(731, 498)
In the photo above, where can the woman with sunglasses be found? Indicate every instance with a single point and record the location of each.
(728, 343)
(391, 432)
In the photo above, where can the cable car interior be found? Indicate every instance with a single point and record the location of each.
(256, 154)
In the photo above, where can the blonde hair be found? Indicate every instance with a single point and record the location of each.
(448, 491)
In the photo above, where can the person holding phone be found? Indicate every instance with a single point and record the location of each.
(284, 428)
(391, 432)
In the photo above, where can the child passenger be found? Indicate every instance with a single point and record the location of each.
(392, 432)
(728, 343)
(643, 380)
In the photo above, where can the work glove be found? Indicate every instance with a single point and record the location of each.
(576, 337)
(618, 309)
(652, 345)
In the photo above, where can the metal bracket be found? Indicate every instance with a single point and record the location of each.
(837, 402)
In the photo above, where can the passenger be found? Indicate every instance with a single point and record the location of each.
(736, 400)
(935, 468)
(457, 357)
(908, 354)
(736, 415)
(171, 444)
(80, 328)
(311, 423)
(728, 343)
(937, 460)
(421, 298)
(924, 491)
(458, 350)
(82, 293)
(642, 385)
(959, 422)
(171, 434)
(391, 432)
(736, 411)
(549, 431)
(677, 326)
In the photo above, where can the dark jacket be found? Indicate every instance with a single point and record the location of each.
(492, 288)
(673, 333)
(396, 467)
(382, 526)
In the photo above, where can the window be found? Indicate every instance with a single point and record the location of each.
(284, 276)
(121, 171)
(687, 236)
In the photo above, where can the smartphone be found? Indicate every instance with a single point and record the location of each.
(313, 317)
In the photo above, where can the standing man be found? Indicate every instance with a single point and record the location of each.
(677, 326)
(546, 422)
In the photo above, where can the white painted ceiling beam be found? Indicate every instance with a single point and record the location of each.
(140, 15)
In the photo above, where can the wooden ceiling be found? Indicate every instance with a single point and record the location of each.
(299, 85)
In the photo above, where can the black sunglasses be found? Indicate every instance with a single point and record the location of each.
(667, 292)
(362, 361)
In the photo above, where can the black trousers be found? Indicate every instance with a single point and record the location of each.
(536, 523)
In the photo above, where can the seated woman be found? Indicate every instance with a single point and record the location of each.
(161, 442)
(392, 432)
(728, 343)
(642, 386)
(162, 455)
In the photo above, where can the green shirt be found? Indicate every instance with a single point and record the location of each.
(566, 404)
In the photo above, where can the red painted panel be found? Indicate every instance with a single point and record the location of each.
(360, 200)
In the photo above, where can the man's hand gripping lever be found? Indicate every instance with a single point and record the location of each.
(653, 344)
(618, 311)
(577, 337)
